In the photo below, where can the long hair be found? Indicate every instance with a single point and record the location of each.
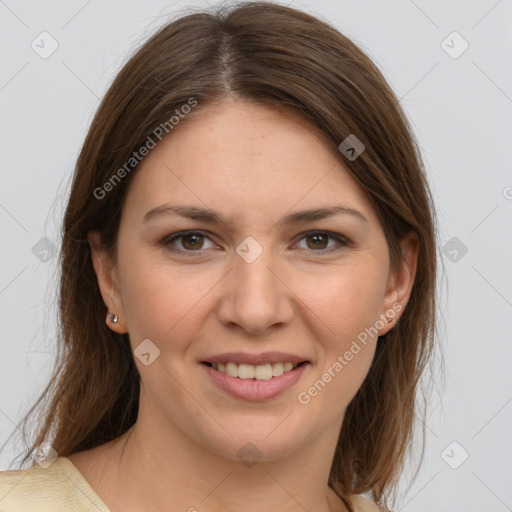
(286, 59)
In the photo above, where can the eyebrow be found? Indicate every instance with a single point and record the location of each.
(211, 216)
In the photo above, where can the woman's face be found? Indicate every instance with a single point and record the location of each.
(266, 285)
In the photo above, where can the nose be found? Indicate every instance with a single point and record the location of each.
(255, 296)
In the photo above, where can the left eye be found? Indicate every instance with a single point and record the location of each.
(193, 241)
(319, 239)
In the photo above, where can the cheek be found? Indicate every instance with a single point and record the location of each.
(166, 302)
(160, 301)
(346, 300)
(349, 305)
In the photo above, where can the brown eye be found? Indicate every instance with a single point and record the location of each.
(192, 242)
(318, 241)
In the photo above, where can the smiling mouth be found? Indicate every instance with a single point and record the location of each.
(255, 372)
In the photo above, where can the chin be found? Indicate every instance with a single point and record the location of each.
(256, 437)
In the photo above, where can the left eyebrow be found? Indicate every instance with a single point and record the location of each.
(211, 216)
(322, 213)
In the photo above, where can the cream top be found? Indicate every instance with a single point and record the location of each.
(61, 488)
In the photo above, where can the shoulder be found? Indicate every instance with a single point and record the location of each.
(57, 488)
(362, 504)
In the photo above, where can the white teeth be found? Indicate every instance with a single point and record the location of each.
(258, 372)
(263, 372)
(287, 367)
(277, 369)
(232, 369)
(246, 371)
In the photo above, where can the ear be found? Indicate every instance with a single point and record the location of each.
(106, 273)
(400, 283)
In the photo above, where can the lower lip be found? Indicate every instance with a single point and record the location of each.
(256, 390)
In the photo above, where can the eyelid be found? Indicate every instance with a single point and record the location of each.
(179, 234)
(341, 243)
(342, 240)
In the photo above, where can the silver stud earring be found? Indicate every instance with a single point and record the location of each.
(390, 319)
(112, 317)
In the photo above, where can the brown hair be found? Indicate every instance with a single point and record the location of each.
(286, 59)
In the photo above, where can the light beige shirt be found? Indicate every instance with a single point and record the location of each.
(61, 488)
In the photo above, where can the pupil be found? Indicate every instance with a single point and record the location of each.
(317, 238)
(194, 245)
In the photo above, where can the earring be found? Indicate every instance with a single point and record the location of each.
(389, 319)
(112, 317)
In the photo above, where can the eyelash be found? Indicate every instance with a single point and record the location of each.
(342, 242)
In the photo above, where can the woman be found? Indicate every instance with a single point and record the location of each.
(248, 280)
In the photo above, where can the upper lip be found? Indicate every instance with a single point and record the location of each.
(254, 359)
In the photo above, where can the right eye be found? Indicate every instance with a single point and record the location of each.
(190, 241)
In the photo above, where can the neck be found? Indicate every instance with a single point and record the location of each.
(152, 467)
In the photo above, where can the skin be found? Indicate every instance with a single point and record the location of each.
(253, 165)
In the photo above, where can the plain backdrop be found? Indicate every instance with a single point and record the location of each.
(456, 89)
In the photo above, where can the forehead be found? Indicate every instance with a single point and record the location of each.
(244, 157)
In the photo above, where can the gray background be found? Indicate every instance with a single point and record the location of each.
(460, 109)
